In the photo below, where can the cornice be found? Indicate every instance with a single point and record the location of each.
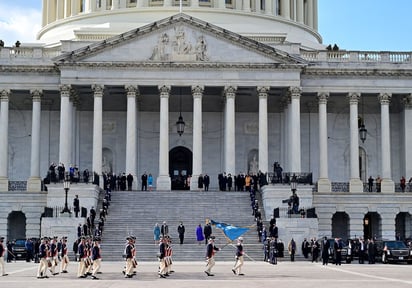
(307, 71)
(182, 65)
(28, 69)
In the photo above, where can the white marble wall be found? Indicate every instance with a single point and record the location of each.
(246, 139)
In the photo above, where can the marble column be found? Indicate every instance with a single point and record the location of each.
(97, 161)
(167, 3)
(163, 182)
(4, 139)
(34, 182)
(269, 7)
(131, 147)
(197, 92)
(407, 134)
(67, 8)
(295, 153)
(65, 132)
(315, 15)
(310, 13)
(387, 185)
(246, 5)
(324, 184)
(263, 129)
(285, 8)
(44, 13)
(230, 152)
(355, 184)
(300, 11)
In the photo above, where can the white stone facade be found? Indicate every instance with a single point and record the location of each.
(91, 91)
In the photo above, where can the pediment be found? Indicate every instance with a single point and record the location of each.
(178, 39)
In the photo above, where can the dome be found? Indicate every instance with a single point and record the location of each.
(266, 21)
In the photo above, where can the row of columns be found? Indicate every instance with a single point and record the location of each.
(302, 11)
(292, 112)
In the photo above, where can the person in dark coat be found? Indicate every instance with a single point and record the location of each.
(207, 231)
(200, 182)
(129, 180)
(199, 234)
(325, 251)
(181, 232)
(76, 206)
(206, 182)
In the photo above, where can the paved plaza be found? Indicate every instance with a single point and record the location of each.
(190, 274)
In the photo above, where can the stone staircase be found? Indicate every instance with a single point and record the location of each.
(136, 212)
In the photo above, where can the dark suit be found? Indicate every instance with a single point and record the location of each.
(325, 252)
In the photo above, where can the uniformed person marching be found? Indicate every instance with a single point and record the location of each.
(64, 257)
(2, 252)
(129, 252)
(237, 268)
(162, 257)
(168, 256)
(43, 254)
(89, 262)
(96, 257)
(53, 254)
(82, 251)
(210, 255)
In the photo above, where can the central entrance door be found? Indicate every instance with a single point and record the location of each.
(180, 167)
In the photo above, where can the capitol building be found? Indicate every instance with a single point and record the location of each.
(250, 80)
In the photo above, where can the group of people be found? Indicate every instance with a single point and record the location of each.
(242, 181)
(57, 173)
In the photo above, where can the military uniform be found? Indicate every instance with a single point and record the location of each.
(96, 258)
(162, 256)
(53, 254)
(64, 257)
(129, 252)
(43, 254)
(210, 255)
(82, 251)
(2, 252)
(239, 258)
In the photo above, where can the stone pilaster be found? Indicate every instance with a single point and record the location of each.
(65, 132)
(407, 134)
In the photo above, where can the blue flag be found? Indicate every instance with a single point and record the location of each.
(230, 231)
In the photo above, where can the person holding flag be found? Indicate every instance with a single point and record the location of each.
(239, 257)
(210, 255)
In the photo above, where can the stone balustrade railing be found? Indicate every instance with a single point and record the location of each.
(357, 56)
(29, 52)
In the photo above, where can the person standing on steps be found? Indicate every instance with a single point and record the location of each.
(76, 206)
(144, 181)
(207, 231)
(164, 229)
(181, 232)
(210, 255)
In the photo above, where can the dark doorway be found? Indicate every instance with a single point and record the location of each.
(402, 227)
(180, 167)
(16, 225)
(372, 226)
(340, 225)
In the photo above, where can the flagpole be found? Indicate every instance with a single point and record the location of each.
(180, 6)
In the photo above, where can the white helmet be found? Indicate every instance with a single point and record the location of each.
(240, 239)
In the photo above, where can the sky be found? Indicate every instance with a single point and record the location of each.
(367, 25)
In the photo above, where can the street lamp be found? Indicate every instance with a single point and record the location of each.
(66, 186)
(294, 183)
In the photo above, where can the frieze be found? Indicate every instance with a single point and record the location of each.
(357, 72)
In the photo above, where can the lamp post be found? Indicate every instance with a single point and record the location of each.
(66, 186)
(293, 183)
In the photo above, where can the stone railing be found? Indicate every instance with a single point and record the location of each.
(17, 185)
(11, 53)
(357, 56)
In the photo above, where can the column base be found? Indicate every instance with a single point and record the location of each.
(163, 183)
(355, 186)
(193, 183)
(34, 184)
(4, 184)
(324, 185)
(387, 186)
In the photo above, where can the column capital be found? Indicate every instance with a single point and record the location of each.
(98, 90)
(132, 90)
(230, 91)
(323, 97)
(263, 91)
(4, 95)
(165, 91)
(197, 91)
(295, 92)
(36, 95)
(407, 101)
(385, 98)
(65, 90)
(354, 97)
